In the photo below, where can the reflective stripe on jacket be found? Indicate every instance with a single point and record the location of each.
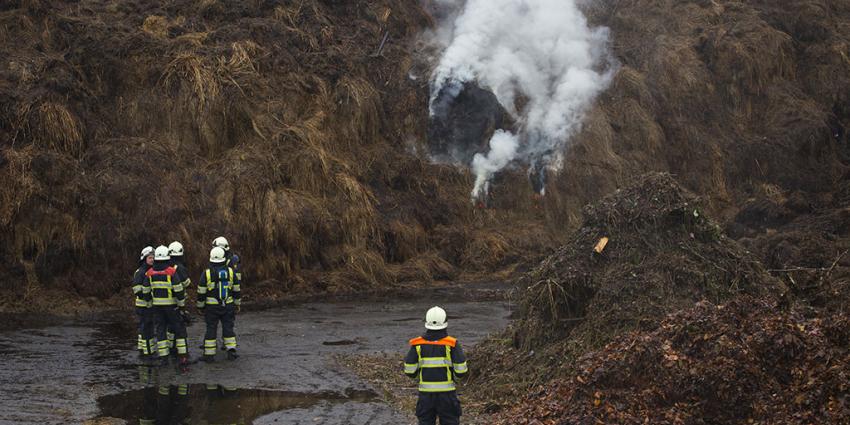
(164, 290)
(182, 273)
(141, 291)
(436, 363)
(220, 286)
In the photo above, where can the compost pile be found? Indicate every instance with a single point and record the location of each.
(672, 323)
(747, 361)
(662, 254)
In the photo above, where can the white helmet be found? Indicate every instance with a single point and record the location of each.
(435, 319)
(222, 243)
(148, 250)
(175, 249)
(217, 255)
(161, 253)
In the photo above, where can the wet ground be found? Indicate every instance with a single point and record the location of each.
(88, 370)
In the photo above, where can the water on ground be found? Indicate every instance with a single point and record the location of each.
(88, 370)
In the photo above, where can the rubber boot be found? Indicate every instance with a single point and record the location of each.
(208, 359)
(231, 355)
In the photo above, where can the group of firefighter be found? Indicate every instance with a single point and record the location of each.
(160, 286)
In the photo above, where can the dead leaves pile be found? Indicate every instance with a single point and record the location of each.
(748, 361)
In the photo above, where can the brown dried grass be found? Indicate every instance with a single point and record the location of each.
(50, 125)
(18, 181)
(195, 82)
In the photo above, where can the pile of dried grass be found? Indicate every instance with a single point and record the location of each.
(271, 123)
(50, 125)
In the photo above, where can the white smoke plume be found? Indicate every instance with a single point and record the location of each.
(539, 51)
(503, 149)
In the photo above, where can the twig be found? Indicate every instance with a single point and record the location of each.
(380, 50)
(573, 319)
(799, 269)
(687, 248)
(835, 263)
(828, 271)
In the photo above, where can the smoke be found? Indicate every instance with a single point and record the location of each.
(503, 149)
(542, 61)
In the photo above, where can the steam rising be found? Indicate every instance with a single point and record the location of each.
(542, 61)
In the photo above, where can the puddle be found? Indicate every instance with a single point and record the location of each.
(340, 342)
(65, 373)
(199, 403)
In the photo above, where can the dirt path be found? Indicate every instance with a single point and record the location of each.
(87, 370)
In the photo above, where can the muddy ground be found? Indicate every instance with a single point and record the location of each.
(87, 370)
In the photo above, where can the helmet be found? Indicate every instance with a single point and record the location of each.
(435, 319)
(161, 253)
(148, 250)
(222, 243)
(217, 255)
(175, 249)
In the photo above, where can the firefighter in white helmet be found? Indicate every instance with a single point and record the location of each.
(167, 298)
(175, 251)
(219, 298)
(233, 260)
(436, 360)
(146, 341)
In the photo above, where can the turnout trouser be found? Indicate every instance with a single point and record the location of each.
(147, 328)
(445, 406)
(227, 316)
(168, 317)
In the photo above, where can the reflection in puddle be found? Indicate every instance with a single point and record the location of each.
(212, 404)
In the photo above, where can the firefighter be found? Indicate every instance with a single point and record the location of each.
(219, 299)
(167, 298)
(175, 251)
(233, 260)
(146, 342)
(436, 361)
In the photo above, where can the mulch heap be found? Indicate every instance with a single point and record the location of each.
(670, 322)
(747, 361)
(662, 255)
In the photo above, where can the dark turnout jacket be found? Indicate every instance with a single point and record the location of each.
(436, 360)
(165, 284)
